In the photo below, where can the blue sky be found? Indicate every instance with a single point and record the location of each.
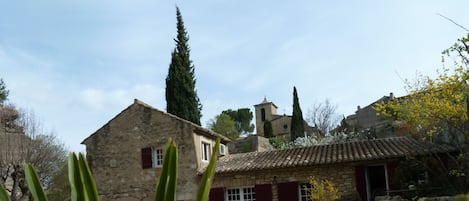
(79, 63)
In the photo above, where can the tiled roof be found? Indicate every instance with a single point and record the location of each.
(378, 149)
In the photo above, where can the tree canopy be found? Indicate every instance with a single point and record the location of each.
(435, 106)
(436, 110)
(3, 92)
(181, 95)
(242, 118)
(297, 122)
(323, 116)
(225, 125)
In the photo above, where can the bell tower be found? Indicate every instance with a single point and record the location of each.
(264, 111)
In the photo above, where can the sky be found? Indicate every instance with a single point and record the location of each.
(77, 64)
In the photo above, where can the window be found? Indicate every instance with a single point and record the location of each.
(156, 157)
(241, 194)
(222, 150)
(263, 114)
(205, 151)
(304, 193)
(152, 157)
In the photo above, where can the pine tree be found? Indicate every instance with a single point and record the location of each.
(297, 122)
(181, 96)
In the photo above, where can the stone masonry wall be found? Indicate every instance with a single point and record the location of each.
(342, 176)
(114, 154)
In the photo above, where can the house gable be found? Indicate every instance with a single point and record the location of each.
(123, 154)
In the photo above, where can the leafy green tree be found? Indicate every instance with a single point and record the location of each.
(243, 118)
(297, 122)
(224, 125)
(3, 92)
(268, 131)
(181, 96)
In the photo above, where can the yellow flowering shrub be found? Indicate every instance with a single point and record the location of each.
(322, 190)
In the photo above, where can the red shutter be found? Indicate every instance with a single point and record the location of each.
(360, 179)
(216, 194)
(146, 158)
(392, 180)
(288, 191)
(263, 192)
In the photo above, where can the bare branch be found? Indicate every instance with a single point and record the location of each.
(449, 19)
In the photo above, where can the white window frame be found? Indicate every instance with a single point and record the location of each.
(222, 150)
(156, 157)
(205, 151)
(242, 192)
(303, 195)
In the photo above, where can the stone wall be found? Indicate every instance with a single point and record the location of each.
(114, 154)
(342, 176)
(250, 143)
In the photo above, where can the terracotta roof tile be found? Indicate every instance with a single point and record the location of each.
(378, 149)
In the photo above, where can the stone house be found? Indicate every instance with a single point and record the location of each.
(366, 120)
(267, 111)
(125, 155)
(360, 170)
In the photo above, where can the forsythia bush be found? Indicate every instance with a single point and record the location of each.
(322, 190)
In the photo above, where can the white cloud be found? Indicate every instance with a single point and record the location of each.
(100, 99)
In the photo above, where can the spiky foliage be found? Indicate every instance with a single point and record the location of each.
(268, 131)
(181, 96)
(297, 122)
(3, 92)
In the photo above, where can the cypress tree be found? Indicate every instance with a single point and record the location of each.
(268, 131)
(297, 122)
(181, 96)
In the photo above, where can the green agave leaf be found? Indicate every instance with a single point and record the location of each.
(33, 183)
(207, 178)
(74, 178)
(173, 173)
(166, 187)
(91, 193)
(3, 194)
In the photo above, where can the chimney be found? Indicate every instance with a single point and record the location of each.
(391, 95)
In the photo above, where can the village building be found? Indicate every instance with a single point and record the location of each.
(360, 170)
(366, 120)
(125, 156)
(267, 111)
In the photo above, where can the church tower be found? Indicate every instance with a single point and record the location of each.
(264, 111)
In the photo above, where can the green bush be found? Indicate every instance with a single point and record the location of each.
(83, 186)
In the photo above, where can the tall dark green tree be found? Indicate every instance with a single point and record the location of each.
(3, 92)
(243, 118)
(268, 131)
(181, 96)
(297, 122)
